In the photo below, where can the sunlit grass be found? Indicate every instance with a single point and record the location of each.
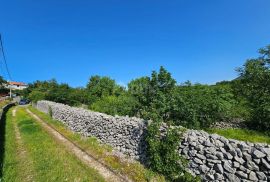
(51, 161)
(10, 167)
(134, 171)
(242, 134)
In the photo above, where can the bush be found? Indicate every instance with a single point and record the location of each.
(163, 156)
(35, 96)
(199, 106)
(113, 105)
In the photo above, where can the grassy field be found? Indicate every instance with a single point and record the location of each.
(134, 171)
(9, 168)
(242, 134)
(47, 160)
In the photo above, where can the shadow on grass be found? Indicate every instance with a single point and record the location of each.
(2, 136)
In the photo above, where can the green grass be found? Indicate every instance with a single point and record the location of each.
(10, 165)
(3, 103)
(242, 134)
(50, 161)
(134, 171)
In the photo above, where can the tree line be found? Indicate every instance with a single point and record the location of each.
(159, 97)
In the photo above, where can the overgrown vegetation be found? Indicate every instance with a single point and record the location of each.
(163, 154)
(159, 98)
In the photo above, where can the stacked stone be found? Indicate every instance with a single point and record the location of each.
(234, 123)
(216, 158)
(211, 156)
(123, 133)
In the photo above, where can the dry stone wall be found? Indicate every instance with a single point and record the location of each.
(216, 158)
(123, 133)
(211, 156)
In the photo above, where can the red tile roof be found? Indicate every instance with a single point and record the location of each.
(17, 83)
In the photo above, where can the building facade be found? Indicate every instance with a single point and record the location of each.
(16, 85)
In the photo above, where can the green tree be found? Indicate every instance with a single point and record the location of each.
(254, 85)
(35, 96)
(154, 94)
(99, 87)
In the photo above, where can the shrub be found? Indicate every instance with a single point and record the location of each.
(163, 156)
(35, 96)
(113, 105)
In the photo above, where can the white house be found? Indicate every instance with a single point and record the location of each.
(16, 85)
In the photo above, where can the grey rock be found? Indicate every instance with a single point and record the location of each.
(198, 161)
(265, 164)
(239, 152)
(218, 176)
(252, 166)
(228, 156)
(204, 169)
(233, 153)
(210, 150)
(247, 156)
(236, 164)
(228, 167)
(231, 177)
(268, 158)
(242, 168)
(219, 143)
(266, 151)
(257, 161)
(213, 157)
(219, 168)
(261, 176)
(210, 164)
(253, 176)
(214, 161)
(207, 143)
(202, 157)
(220, 155)
(240, 160)
(258, 154)
(210, 177)
(241, 174)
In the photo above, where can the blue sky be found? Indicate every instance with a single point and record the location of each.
(70, 40)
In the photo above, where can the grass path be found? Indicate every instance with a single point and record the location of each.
(79, 153)
(25, 164)
(31, 154)
(9, 163)
(102, 152)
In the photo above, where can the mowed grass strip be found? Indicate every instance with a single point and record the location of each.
(9, 164)
(242, 134)
(133, 170)
(51, 160)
